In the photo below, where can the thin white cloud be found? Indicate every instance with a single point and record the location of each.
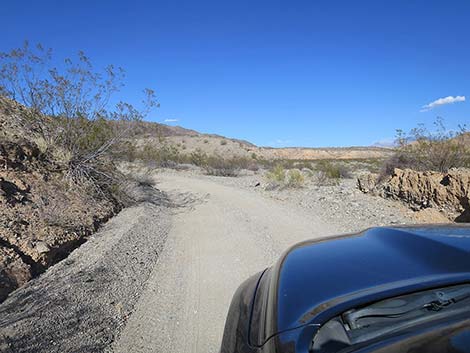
(280, 142)
(442, 101)
(170, 120)
(386, 142)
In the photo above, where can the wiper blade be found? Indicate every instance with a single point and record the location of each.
(434, 301)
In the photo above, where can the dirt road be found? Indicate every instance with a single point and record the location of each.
(228, 235)
(158, 277)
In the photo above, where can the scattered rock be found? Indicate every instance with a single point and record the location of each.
(42, 247)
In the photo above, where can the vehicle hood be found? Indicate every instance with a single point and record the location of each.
(319, 279)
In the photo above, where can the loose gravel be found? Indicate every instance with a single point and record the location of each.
(79, 304)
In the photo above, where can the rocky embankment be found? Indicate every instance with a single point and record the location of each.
(436, 194)
(43, 217)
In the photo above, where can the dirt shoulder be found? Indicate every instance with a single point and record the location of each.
(79, 304)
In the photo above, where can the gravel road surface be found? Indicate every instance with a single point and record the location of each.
(159, 277)
(229, 235)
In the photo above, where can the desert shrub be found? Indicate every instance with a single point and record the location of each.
(244, 163)
(223, 142)
(277, 174)
(344, 171)
(127, 151)
(198, 158)
(330, 173)
(322, 179)
(421, 149)
(219, 166)
(167, 156)
(279, 177)
(69, 110)
(373, 165)
(295, 178)
(303, 165)
(328, 169)
(206, 141)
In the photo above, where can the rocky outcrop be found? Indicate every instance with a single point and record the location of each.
(43, 217)
(367, 182)
(448, 192)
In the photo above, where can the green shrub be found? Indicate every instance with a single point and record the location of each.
(328, 169)
(277, 174)
(295, 179)
(223, 142)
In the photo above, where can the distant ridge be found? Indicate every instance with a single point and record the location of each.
(188, 141)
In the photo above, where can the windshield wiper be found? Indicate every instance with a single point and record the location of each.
(433, 301)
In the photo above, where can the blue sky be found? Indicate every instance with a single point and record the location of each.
(294, 73)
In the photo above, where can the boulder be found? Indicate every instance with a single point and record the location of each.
(367, 182)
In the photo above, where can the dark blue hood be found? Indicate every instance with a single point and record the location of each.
(317, 280)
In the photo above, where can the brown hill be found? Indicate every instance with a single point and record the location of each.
(187, 141)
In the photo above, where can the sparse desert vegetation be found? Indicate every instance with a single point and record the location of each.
(130, 227)
(63, 133)
(422, 150)
(428, 172)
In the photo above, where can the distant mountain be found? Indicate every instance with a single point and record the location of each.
(188, 141)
